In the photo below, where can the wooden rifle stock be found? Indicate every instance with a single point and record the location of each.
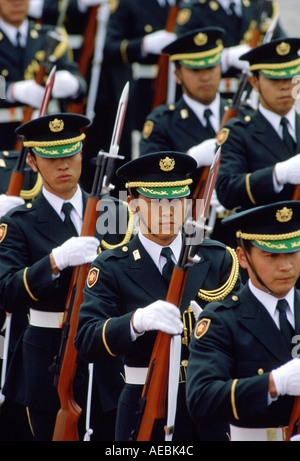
(154, 392)
(17, 176)
(256, 32)
(296, 195)
(294, 424)
(66, 426)
(86, 54)
(152, 404)
(161, 81)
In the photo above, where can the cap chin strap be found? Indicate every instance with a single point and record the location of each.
(242, 245)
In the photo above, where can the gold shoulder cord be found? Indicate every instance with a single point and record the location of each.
(31, 194)
(224, 290)
(108, 246)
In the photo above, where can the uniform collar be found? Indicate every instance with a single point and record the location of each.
(270, 303)
(274, 120)
(154, 249)
(199, 109)
(57, 202)
(11, 31)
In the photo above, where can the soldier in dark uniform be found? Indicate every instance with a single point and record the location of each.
(258, 161)
(22, 52)
(197, 115)
(238, 19)
(38, 252)
(124, 305)
(244, 364)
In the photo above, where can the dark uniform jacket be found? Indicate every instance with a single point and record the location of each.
(194, 14)
(125, 279)
(28, 235)
(14, 68)
(250, 149)
(229, 365)
(174, 128)
(129, 22)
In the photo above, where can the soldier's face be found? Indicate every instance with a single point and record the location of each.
(279, 272)
(14, 11)
(201, 84)
(275, 95)
(160, 219)
(61, 175)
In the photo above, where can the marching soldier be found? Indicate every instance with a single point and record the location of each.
(244, 365)
(197, 115)
(124, 305)
(23, 49)
(238, 18)
(258, 162)
(40, 245)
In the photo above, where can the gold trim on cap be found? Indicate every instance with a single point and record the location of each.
(184, 182)
(275, 66)
(199, 55)
(246, 236)
(59, 142)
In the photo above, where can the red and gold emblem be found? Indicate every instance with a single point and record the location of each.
(3, 231)
(92, 277)
(201, 328)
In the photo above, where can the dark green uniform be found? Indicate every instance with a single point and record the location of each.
(250, 149)
(234, 347)
(14, 69)
(28, 235)
(194, 14)
(125, 279)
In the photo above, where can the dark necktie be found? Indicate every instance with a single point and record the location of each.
(235, 19)
(67, 208)
(169, 265)
(285, 326)
(287, 138)
(207, 114)
(19, 47)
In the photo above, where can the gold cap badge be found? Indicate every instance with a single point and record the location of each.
(284, 215)
(283, 49)
(167, 164)
(56, 125)
(200, 39)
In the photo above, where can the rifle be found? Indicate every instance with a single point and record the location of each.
(66, 362)
(161, 82)
(154, 392)
(256, 32)
(17, 176)
(86, 54)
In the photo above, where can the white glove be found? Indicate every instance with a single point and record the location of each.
(155, 42)
(287, 378)
(288, 171)
(231, 58)
(159, 315)
(204, 152)
(65, 85)
(75, 251)
(7, 202)
(196, 309)
(28, 92)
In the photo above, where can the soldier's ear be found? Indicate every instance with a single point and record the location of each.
(32, 163)
(241, 257)
(254, 82)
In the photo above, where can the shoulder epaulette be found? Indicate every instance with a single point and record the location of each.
(223, 291)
